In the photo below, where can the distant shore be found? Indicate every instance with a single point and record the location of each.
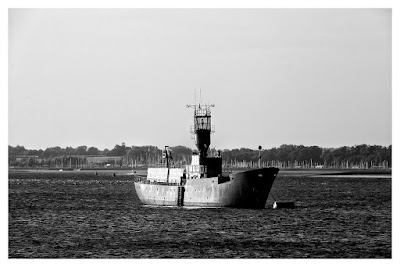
(283, 172)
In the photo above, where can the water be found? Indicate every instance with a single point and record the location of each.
(80, 215)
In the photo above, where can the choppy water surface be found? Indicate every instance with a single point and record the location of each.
(80, 215)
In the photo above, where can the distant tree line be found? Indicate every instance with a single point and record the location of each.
(292, 156)
(285, 156)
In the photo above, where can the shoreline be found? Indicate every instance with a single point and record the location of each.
(315, 173)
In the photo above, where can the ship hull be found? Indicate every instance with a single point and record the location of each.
(247, 189)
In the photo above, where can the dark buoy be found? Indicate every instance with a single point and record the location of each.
(114, 174)
(95, 173)
(283, 205)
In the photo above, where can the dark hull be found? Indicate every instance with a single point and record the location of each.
(247, 189)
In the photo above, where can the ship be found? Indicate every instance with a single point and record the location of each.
(203, 183)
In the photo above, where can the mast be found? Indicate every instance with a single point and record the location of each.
(202, 128)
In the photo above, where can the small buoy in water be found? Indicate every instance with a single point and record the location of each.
(95, 173)
(283, 205)
(114, 174)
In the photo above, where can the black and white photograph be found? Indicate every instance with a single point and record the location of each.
(199, 133)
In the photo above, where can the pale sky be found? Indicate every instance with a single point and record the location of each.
(276, 76)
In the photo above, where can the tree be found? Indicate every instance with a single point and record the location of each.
(118, 150)
(16, 151)
(181, 153)
(52, 152)
(93, 151)
(81, 150)
(284, 152)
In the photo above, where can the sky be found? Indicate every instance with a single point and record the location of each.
(100, 77)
